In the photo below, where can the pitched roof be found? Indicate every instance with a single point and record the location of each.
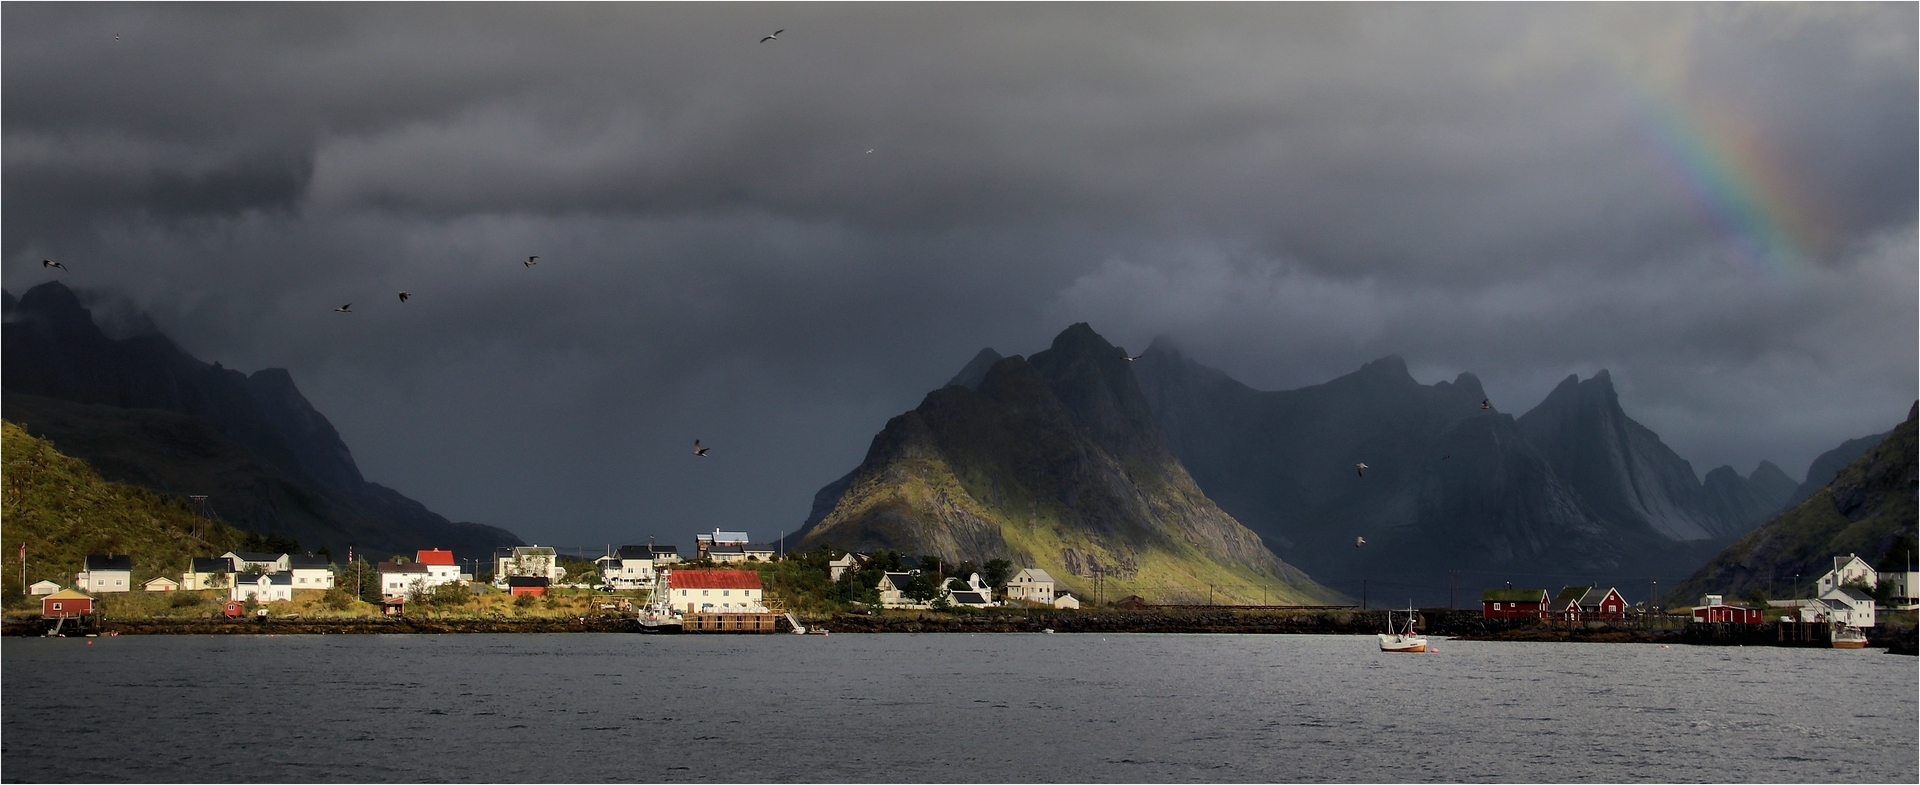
(253, 556)
(68, 594)
(1855, 594)
(970, 597)
(110, 562)
(210, 565)
(634, 552)
(733, 537)
(308, 562)
(272, 578)
(387, 566)
(533, 550)
(1513, 595)
(1571, 594)
(162, 580)
(1035, 573)
(434, 556)
(526, 580)
(714, 579)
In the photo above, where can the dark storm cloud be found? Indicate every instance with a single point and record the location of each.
(1289, 190)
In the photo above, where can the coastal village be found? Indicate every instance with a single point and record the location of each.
(723, 586)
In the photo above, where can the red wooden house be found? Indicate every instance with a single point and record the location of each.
(1714, 611)
(1585, 603)
(1513, 604)
(66, 604)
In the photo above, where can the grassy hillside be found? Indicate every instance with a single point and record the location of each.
(62, 511)
(1864, 510)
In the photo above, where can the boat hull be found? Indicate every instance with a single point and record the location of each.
(1412, 644)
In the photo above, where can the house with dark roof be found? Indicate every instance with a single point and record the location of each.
(105, 574)
(263, 562)
(534, 585)
(270, 587)
(310, 571)
(1577, 603)
(633, 566)
(399, 580)
(893, 591)
(208, 573)
(1849, 606)
(1514, 604)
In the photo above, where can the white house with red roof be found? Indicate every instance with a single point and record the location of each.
(713, 591)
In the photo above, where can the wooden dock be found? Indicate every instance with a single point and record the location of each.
(730, 622)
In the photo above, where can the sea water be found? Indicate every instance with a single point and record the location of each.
(944, 708)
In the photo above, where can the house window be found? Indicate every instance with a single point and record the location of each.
(703, 592)
(56, 606)
(726, 593)
(1496, 606)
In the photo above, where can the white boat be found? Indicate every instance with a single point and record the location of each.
(1405, 639)
(1848, 637)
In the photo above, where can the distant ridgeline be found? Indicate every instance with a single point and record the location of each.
(1868, 509)
(1038, 459)
(141, 411)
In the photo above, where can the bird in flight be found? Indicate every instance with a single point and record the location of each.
(404, 296)
(531, 262)
(1362, 468)
(776, 37)
(1359, 541)
(1486, 403)
(869, 151)
(1135, 357)
(699, 450)
(52, 263)
(348, 308)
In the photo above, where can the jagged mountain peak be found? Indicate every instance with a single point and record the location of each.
(975, 370)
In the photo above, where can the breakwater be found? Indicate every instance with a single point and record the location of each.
(380, 625)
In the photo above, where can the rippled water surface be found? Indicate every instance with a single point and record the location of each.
(944, 708)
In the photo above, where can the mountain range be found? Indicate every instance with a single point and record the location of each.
(1865, 509)
(140, 410)
(1051, 461)
(1458, 494)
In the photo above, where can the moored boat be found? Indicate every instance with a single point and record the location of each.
(1405, 639)
(1848, 637)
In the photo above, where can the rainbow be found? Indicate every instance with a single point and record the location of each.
(1735, 184)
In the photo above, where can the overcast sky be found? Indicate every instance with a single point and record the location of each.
(774, 247)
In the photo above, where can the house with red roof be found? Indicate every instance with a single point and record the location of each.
(714, 591)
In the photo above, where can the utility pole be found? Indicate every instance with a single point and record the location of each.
(1453, 589)
(1363, 594)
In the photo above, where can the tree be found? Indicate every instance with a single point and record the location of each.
(997, 572)
(1757, 598)
(922, 588)
(931, 565)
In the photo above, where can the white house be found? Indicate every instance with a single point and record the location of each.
(838, 567)
(1906, 589)
(975, 594)
(399, 580)
(106, 573)
(161, 583)
(1847, 569)
(1032, 585)
(631, 567)
(1851, 607)
(310, 572)
(1066, 601)
(712, 591)
(266, 562)
(893, 591)
(42, 588)
(207, 573)
(270, 587)
(529, 561)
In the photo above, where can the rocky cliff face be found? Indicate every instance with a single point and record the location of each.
(141, 411)
(1053, 461)
(1867, 505)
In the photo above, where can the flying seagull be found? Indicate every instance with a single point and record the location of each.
(776, 37)
(404, 296)
(531, 262)
(699, 450)
(869, 150)
(1486, 403)
(348, 308)
(52, 263)
(1359, 541)
(1362, 468)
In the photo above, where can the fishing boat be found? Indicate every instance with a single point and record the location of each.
(1404, 639)
(1848, 637)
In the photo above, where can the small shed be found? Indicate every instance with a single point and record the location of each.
(161, 583)
(1133, 602)
(235, 609)
(42, 588)
(66, 604)
(526, 584)
(1713, 610)
(393, 606)
(1066, 601)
